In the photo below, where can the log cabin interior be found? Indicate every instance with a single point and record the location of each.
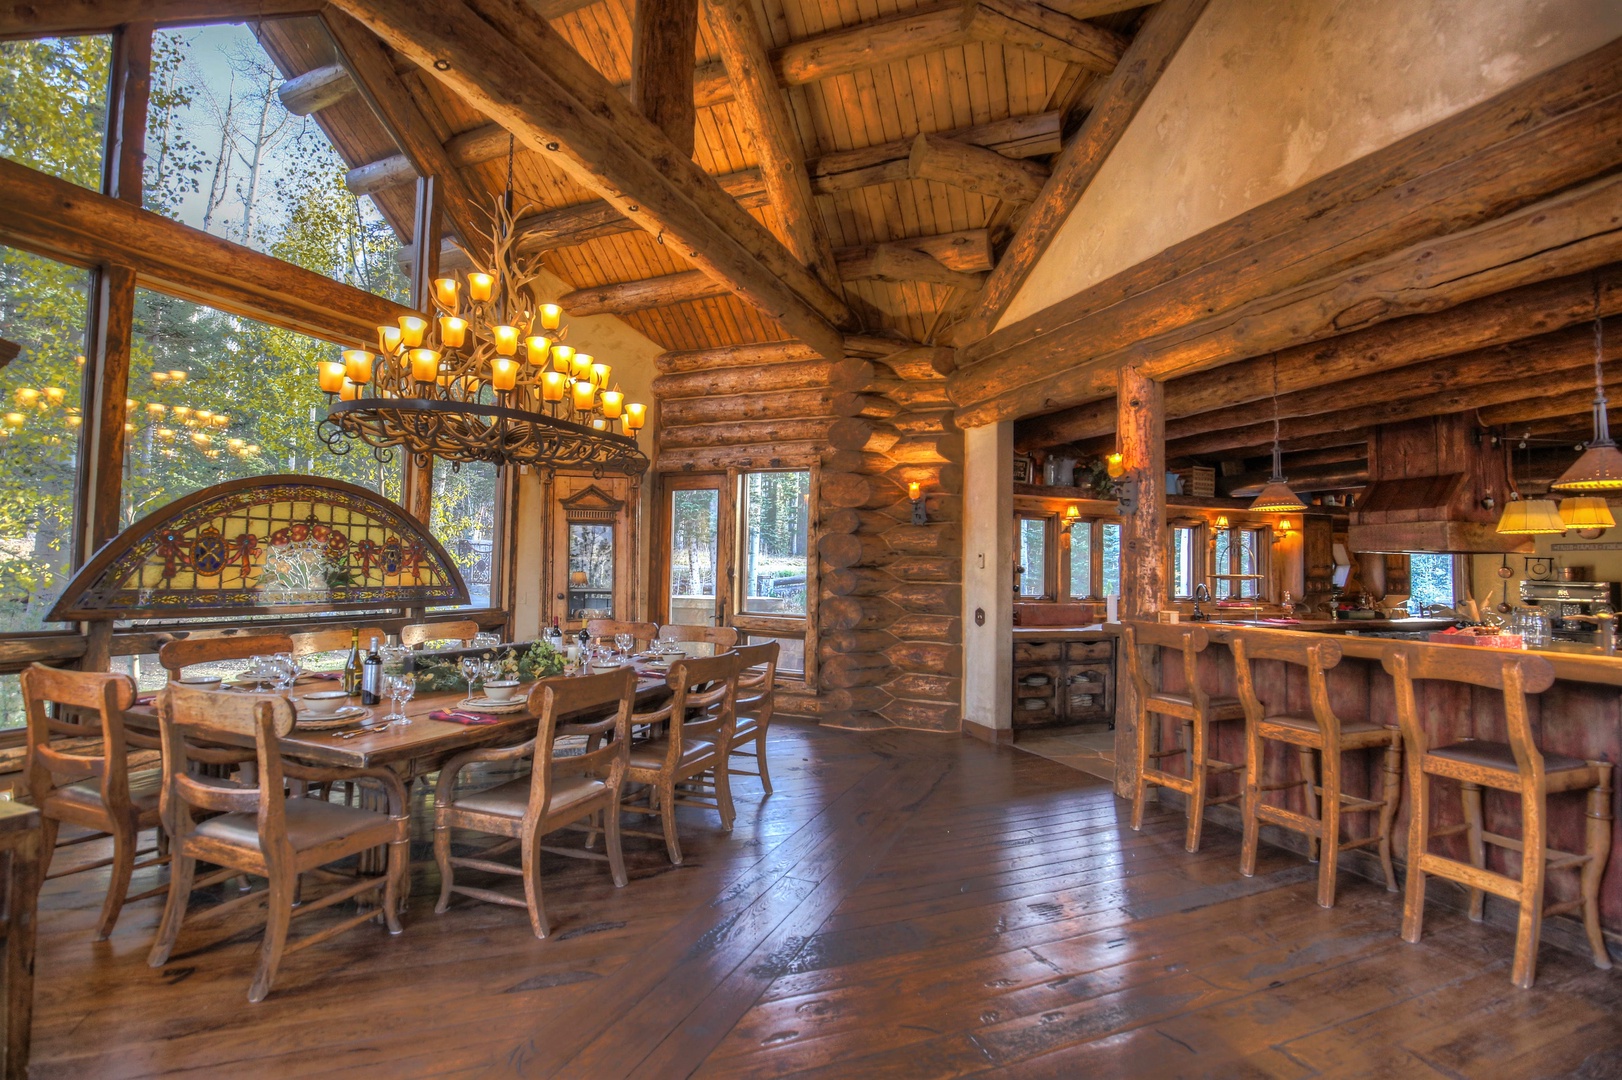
(967, 538)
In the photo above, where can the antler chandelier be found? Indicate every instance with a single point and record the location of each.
(488, 378)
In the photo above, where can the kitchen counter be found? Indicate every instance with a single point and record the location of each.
(1095, 632)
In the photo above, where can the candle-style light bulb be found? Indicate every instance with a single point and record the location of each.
(613, 404)
(388, 340)
(503, 373)
(424, 365)
(506, 339)
(636, 414)
(330, 375)
(358, 366)
(412, 328)
(452, 331)
(447, 291)
(538, 348)
(551, 316)
(553, 386)
(563, 358)
(599, 374)
(479, 287)
(585, 396)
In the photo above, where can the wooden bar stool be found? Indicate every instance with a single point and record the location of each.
(1195, 708)
(1323, 733)
(1515, 766)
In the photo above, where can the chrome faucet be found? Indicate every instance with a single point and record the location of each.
(1202, 595)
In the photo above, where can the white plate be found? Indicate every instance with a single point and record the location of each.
(345, 716)
(484, 704)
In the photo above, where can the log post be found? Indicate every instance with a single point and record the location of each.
(663, 36)
(1142, 433)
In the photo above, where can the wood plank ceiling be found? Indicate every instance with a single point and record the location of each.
(966, 84)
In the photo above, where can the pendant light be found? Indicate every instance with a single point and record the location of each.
(1275, 496)
(1585, 512)
(1600, 467)
(1527, 517)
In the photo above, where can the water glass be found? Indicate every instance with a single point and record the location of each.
(490, 670)
(624, 643)
(283, 671)
(400, 689)
(470, 671)
(485, 639)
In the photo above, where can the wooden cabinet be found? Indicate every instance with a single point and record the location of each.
(1059, 683)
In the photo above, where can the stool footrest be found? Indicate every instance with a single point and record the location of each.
(1348, 845)
(1215, 766)
(1156, 755)
(1448, 830)
(1277, 815)
(1565, 907)
(1165, 779)
(1350, 804)
(1284, 786)
(1218, 800)
(1471, 876)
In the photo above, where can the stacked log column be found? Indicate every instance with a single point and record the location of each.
(891, 591)
(889, 627)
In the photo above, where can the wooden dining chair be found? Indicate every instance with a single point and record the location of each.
(555, 794)
(337, 639)
(1320, 731)
(1516, 766)
(261, 830)
(756, 698)
(78, 772)
(178, 655)
(698, 719)
(722, 637)
(462, 630)
(643, 632)
(1193, 708)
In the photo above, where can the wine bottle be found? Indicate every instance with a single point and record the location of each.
(371, 677)
(555, 637)
(352, 665)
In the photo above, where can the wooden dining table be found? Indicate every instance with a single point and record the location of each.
(410, 749)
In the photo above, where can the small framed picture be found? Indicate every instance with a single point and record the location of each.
(1024, 469)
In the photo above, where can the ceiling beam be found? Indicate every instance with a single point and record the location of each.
(63, 221)
(845, 51)
(762, 112)
(625, 297)
(1188, 306)
(900, 262)
(664, 35)
(1479, 324)
(522, 74)
(316, 89)
(1141, 66)
(467, 211)
(974, 169)
(35, 19)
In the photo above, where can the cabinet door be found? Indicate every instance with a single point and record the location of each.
(1088, 693)
(1036, 695)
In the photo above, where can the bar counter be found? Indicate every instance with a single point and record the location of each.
(1579, 716)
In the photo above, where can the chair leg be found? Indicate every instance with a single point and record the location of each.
(667, 812)
(1413, 901)
(533, 899)
(181, 871)
(1147, 723)
(1529, 925)
(1390, 792)
(1309, 796)
(397, 884)
(760, 758)
(611, 841)
(1598, 848)
(1470, 795)
(1195, 733)
(723, 795)
(447, 874)
(278, 914)
(118, 881)
(48, 828)
(1329, 827)
(1252, 799)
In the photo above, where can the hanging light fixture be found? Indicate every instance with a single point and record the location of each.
(1600, 467)
(1584, 512)
(487, 379)
(1275, 496)
(1530, 517)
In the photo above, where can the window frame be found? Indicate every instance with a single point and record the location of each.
(1051, 586)
(1195, 553)
(1264, 561)
(747, 623)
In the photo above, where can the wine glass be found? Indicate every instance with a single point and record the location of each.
(470, 671)
(486, 640)
(401, 689)
(490, 670)
(624, 643)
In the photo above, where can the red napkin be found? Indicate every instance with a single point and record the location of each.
(146, 699)
(461, 716)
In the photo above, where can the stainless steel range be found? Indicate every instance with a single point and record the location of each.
(1572, 605)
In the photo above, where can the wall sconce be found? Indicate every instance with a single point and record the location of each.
(1222, 521)
(1281, 530)
(1115, 466)
(915, 492)
(1072, 516)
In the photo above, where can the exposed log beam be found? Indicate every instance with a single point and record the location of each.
(733, 356)
(1547, 404)
(1161, 35)
(372, 65)
(844, 51)
(663, 39)
(1494, 320)
(1545, 135)
(626, 297)
(64, 221)
(1573, 231)
(900, 262)
(974, 169)
(1457, 399)
(763, 112)
(32, 18)
(1015, 137)
(316, 89)
(522, 74)
(922, 363)
(1341, 476)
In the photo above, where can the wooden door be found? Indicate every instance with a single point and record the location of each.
(691, 580)
(592, 550)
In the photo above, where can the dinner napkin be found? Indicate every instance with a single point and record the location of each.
(462, 716)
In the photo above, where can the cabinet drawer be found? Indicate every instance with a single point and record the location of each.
(1089, 650)
(1035, 712)
(1037, 650)
(1037, 681)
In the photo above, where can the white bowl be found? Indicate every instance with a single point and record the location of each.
(199, 682)
(501, 689)
(323, 703)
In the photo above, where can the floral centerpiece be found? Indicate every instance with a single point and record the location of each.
(526, 663)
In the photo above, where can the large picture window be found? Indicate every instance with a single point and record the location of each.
(53, 105)
(1240, 564)
(463, 518)
(773, 562)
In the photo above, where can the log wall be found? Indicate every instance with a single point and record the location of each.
(887, 643)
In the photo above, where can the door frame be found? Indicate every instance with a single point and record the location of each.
(659, 603)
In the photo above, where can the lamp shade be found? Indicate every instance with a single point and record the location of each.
(1277, 498)
(1586, 512)
(1531, 517)
(1599, 469)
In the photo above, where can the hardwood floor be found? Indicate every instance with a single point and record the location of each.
(906, 905)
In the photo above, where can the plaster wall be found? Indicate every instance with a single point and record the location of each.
(1267, 95)
(988, 568)
(631, 354)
